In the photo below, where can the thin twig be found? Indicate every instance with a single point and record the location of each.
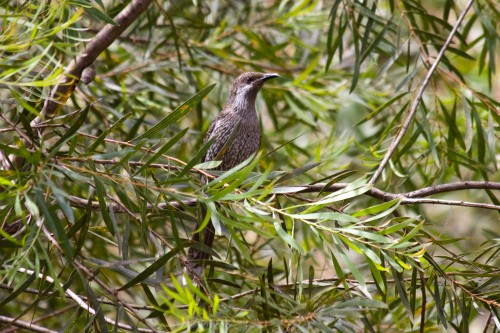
(451, 187)
(22, 324)
(18, 130)
(56, 313)
(129, 163)
(411, 201)
(423, 192)
(418, 97)
(94, 205)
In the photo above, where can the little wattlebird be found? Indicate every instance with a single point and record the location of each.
(236, 136)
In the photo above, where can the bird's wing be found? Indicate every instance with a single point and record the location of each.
(225, 130)
(208, 136)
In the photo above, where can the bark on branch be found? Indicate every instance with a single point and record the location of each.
(414, 197)
(97, 45)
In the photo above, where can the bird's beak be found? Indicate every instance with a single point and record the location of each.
(269, 76)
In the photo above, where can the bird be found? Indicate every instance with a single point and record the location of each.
(236, 136)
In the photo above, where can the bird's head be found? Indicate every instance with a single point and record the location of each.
(247, 85)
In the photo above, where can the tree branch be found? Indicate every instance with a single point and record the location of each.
(97, 45)
(410, 201)
(418, 97)
(451, 187)
(413, 197)
(409, 198)
(424, 192)
(116, 208)
(22, 324)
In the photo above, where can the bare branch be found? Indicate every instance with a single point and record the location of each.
(451, 187)
(418, 97)
(116, 208)
(414, 197)
(410, 201)
(424, 192)
(22, 324)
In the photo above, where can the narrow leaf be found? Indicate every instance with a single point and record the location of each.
(155, 266)
(177, 114)
(288, 238)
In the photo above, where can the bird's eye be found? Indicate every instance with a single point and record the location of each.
(249, 80)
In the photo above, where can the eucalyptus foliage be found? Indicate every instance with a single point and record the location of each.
(100, 196)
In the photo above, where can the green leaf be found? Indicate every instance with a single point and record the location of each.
(397, 224)
(299, 111)
(196, 159)
(21, 288)
(100, 16)
(357, 55)
(163, 149)
(105, 134)
(381, 108)
(101, 197)
(61, 198)
(480, 135)
(365, 234)
(377, 40)
(305, 73)
(355, 303)
(236, 177)
(326, 216)
(151, 269)
(408, 236)
(177, 114)
(330, 43)
(403, 296)
(386, 207)
(311, 280)
(350, 265)
(354, 189)
(301, 170)
(21, 152)
(468, 123)
(208, 165)
(54, 224)
(233, 173)
(76, 126)
(288, 238)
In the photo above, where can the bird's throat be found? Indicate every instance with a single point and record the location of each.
(244, 105)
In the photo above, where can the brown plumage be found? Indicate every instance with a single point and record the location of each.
(237, 136)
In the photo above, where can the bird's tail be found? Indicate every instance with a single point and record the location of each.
(196, 256)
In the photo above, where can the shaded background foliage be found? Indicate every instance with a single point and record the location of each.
(101, 208)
